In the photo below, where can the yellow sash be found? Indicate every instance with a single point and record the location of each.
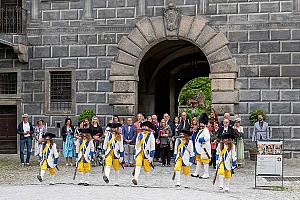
(223, 151)
(45, 150)
(82, 145)
(110, 141)
(143, 139)
(180, 146)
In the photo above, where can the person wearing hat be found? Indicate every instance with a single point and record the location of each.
(184, 156)
(25, 130)
(39, 130)
(84, 153)
(226, 160)
(144, 151)
(48, 157)
(203, 148)
(239, 142)
(113, 151)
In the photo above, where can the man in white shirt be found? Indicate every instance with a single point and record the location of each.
(25, 130)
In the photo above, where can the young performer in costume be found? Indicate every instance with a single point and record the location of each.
(84, 153)
(144, 151)
(202, 147)
(49, 157)
(184, 156)
(113, 152)
(226, 160)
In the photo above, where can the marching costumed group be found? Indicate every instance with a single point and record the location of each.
(187, 151)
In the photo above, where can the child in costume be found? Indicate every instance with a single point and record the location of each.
(202, 147)
(49, 157)
(184, 156)
(226, 160)
(144, 151)
(113, 151)
(84, 153)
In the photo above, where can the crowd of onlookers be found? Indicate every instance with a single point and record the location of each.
(165, 131)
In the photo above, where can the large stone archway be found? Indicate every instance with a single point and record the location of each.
(151, 31)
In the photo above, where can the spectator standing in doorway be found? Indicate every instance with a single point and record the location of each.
(129, 136)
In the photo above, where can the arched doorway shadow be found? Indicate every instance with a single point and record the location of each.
(164, 70)
(134, 51)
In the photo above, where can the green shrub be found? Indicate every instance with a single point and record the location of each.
(87, 113)
(254, 114)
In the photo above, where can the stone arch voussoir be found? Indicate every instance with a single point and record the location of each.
(151, 31)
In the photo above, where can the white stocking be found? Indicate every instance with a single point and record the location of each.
(177, 178)
(221, 181)
(107, 172)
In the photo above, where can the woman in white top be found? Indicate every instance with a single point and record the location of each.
(39, 130)
(240, 142)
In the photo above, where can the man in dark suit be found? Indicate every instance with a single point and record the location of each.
(225, 129)
(169, 122)
(184, 123)
(227, 116)
(25, 130)
(129, 132)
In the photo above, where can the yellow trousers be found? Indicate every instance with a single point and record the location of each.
(200, 159)
(179, 164)
(141, 161)
(84, 167)
(44, 167)
(111, 161)
(223, 172)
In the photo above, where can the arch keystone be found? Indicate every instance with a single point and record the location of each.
(158, 27)
(128, 46)
(215, 43)
(185, 26)
(146, 29)
(197, 27)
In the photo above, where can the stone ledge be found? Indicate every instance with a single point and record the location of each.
(223, 76)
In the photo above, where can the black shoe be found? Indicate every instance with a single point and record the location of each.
(80, 183)
(86, 184)
(195, 176)
(105, 179)
(134, 182)
(40, 178)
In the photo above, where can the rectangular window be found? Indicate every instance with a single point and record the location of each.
(60, 91)
(8, 83)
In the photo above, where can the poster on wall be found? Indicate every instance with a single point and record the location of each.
(269, 158)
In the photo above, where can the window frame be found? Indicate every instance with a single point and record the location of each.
(18, 94)
(48, 111)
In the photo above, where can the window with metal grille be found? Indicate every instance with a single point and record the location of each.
(60, 91)
(8, 83)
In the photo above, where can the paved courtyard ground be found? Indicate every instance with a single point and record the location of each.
(21, 183)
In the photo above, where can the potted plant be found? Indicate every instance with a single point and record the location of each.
(253, 119)
(87, 113)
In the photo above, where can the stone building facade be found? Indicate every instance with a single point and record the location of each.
(120, 57)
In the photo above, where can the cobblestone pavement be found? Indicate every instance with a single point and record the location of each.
(21, 183)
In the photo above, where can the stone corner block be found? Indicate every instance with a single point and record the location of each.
(121, 98)
(225, 97)
(224, 66)
(118, 69)
(223, 108)
(124, 110)
(124, 86)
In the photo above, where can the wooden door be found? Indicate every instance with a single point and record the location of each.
(8, 126)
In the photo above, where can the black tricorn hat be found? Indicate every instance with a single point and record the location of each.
(184, 131)
(203, 118)
(51, 135)
(116, 125)
(109, 125)
(227, 136)
(148, 124)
